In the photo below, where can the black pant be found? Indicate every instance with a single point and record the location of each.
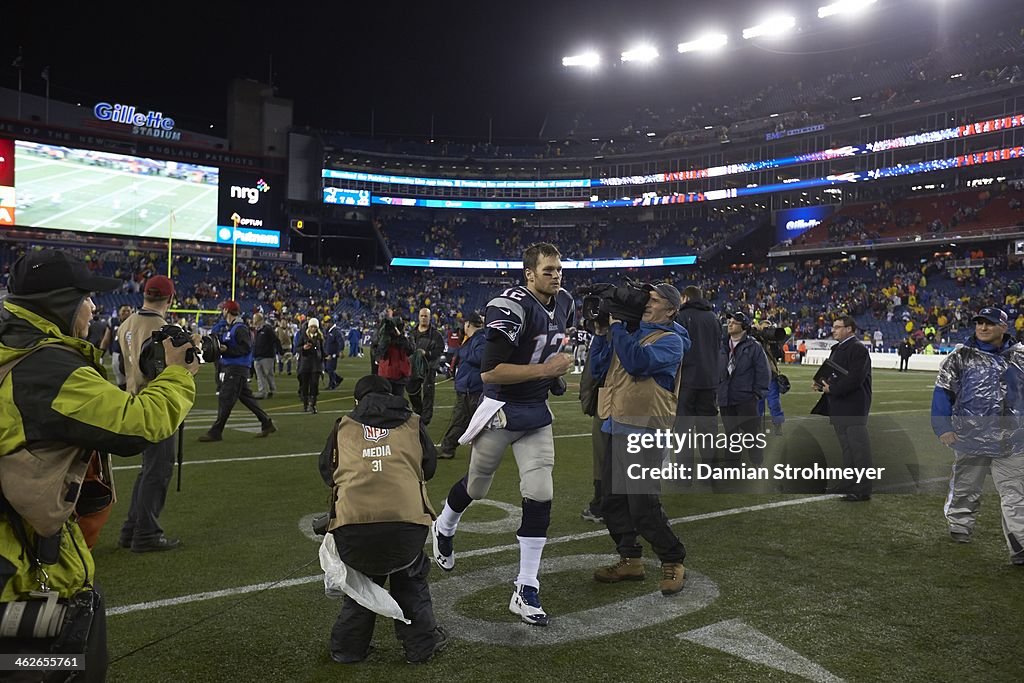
(697, 410)
(904, 363)
(235, 387)
(741, 419)
(597, 449)
(462, 413)
(331, 367)
(309, 387)
(632, 509)
(149, 494)
(423, 400)
(856, 446)
(353, 629)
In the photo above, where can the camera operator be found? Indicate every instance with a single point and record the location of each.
(392, 349)
(58, 407)
(429, 345)
(641, 374)
(770, 338)
(235, 342)
(141, 530)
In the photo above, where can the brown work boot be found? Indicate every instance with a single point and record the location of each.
(626, 569)
(673, 577)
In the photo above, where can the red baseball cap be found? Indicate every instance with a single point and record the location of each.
(231, 307)
(159, 287)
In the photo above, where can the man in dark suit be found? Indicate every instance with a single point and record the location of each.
(846, 400)
(698, 400)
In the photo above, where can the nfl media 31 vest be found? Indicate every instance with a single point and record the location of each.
(378, 475)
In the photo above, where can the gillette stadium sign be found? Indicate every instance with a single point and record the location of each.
(791, 223)
(151, 124)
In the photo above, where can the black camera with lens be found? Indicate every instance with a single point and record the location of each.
(209, 349)
(624, 302)
(152, 359)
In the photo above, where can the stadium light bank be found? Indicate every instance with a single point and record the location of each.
(844, 7)
(641, 53)
(588, 60)
(772, 26)
(704, 43)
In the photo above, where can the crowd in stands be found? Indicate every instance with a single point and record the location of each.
(491, 238)
(931, 302)
(901, 215)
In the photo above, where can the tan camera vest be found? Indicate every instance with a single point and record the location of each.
(638, 402)
(131, 335)
(378, 475)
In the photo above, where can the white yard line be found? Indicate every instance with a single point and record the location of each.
(480, 552)
(284, 455)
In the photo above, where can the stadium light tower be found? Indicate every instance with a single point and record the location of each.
(641, 53)
(772, 26)
(844, 7)
(706, 42)
(587, 60)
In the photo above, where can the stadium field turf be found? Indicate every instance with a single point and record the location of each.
(781, 586)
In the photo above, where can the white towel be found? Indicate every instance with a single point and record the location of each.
(340, 579)
(483, 418)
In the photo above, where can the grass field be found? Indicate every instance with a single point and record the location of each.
(68, 194)
(780, 587)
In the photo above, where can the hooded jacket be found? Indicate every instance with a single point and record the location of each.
(700, 363)
(380, 410)
(57, 396)
(979, 395)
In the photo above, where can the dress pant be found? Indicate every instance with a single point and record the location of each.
(265, 376)
(331, 368)
(423, 400)
(234, 388)
(856, 447)
(462, 413)
(697, 411)
(741, 419)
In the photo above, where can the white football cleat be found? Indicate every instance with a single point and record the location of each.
(444, 549)
(526, 603)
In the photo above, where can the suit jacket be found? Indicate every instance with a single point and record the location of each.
(848, 397)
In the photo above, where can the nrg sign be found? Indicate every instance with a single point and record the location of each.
(250, 194)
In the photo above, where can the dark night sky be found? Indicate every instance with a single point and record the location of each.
(460, 61)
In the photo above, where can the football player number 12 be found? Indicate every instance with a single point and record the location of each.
(542, 342)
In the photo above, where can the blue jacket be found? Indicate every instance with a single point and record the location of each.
(751, 374)
(467, 372)
(238, 339)
(979, 395)
(660, 360)
(334, 342)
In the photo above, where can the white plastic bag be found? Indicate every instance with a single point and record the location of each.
(341, 580)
